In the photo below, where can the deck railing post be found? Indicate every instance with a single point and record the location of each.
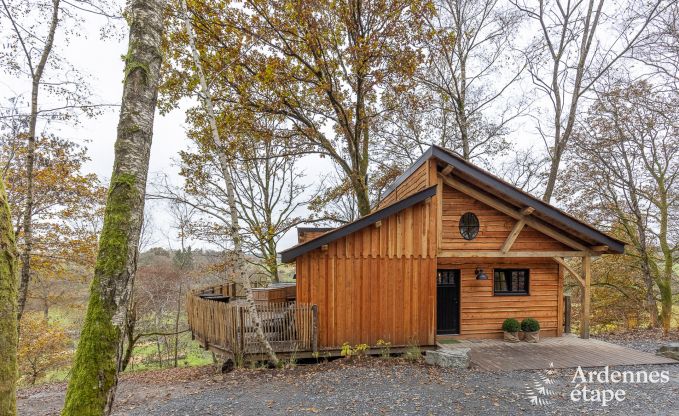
(314, 328)
(567, 314)
(241, 319)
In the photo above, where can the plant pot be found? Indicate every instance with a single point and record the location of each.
(511, 336)
(531, 336)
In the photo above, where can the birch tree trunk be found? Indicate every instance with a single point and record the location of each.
(9, 336)
(94, 376)
(225, 166)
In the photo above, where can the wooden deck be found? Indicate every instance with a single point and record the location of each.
(227, 329)
(567, 351)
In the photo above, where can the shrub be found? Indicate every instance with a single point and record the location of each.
(384, 347)
(510, 325)
(530, 325)
(346, 350)
(44, 346)
(360, 349)
(413, 353)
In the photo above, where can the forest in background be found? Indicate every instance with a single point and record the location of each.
(367, 85)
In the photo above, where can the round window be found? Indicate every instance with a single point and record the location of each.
(469, 226)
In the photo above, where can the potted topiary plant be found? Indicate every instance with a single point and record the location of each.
(511, 330)
(531, 330)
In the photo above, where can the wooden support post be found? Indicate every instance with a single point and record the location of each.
(314, 328)
(241, 318)
(586, 296)
(447, 170)
(567, 314)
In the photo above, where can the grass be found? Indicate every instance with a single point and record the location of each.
(193, 356)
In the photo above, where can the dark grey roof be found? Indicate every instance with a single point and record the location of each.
(337, 233)
(314, 229)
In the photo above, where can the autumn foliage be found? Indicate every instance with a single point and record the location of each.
(44, 346)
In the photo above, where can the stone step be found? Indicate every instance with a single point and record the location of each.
(455, 358)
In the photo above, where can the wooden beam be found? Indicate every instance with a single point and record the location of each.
(527, 211)
(560, 321)
(476, 253)
(439, 212)
(447, 170)
(586, 297)
(600, 249)
(378, 224)
(512, 212)
(513, 235)
(324, 247)
(570, 270)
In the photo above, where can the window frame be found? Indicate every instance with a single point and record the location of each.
(514, 269)
(468, 227)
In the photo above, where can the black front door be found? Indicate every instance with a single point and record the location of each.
(448, 302)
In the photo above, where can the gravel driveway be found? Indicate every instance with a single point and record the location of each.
(367, 386)
(647, 340)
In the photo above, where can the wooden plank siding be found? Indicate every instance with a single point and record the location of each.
(482, 313)
(376, 283)
(380, 282)
(303, 237)
(494, 227)
(419, 180)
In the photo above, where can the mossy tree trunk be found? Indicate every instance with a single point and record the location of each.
(92, 386)
(225, 166)
(9, 337)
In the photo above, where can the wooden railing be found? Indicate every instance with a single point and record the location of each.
(228, 328)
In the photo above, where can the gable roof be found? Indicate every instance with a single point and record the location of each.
(500, 188)
(490, 183)
(337, 233)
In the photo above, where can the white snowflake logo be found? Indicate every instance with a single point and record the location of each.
(540, 391)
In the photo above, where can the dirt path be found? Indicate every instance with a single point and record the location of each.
(370, 386)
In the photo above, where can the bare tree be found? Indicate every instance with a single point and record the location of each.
(226, 167)
(576, 43)
(334, 201)
(627, 170)
(525, 169)
(36, 66)
(659, 51)
(183, 260)
(270, 196)
(58, 89)
(469, 70)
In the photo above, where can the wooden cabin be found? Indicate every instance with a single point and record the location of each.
(451, 250)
